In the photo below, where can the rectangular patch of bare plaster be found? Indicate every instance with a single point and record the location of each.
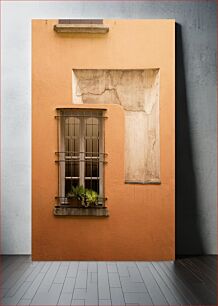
(138, 92)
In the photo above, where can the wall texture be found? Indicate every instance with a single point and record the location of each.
(196, 205)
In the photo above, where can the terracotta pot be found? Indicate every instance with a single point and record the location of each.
(74, 202)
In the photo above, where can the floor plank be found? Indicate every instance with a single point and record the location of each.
(195, 290)
(65, 299)
(201, 271)
(152, 286)
(48, 298)
(17, 262)
(25, 277)
(14, 300)
(175, 288)
(47, 281)
(210, 264)
(166, 289)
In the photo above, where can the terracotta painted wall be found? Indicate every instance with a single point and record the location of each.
(141, 225)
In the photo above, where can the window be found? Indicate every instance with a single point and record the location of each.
(81, 154)
(80, 21)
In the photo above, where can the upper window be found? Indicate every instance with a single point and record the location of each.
(80, 21)
(81, 153)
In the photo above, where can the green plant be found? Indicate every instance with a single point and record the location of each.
(77, 192)
(86, 196)
(91, 197)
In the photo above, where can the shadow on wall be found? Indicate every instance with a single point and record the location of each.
(188, 234)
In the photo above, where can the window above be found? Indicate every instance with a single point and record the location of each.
(80, 21)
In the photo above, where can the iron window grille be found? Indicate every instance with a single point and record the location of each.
(81, 155)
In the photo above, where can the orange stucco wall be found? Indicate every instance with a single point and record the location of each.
(141, 222)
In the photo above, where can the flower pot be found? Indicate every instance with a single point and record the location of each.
(74, 202)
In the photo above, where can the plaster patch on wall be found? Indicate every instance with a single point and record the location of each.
(138, 92)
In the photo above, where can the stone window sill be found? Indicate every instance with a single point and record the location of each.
(73, 211)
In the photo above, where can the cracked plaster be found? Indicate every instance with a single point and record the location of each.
(138, 92)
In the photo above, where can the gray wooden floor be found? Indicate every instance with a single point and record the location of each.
(187, 281)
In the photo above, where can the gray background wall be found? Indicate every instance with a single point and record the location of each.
(196, 113)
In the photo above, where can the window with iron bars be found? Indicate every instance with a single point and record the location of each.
(81, 155)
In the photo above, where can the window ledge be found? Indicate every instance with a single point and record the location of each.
(81, 28)
(150, 182)
(72, 211)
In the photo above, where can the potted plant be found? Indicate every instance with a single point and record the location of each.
(91, 198)
(80, 196)
(76, 196)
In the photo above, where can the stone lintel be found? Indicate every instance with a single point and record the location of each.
(81, 28)
(148, 182)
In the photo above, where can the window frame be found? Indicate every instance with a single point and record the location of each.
(82, 114)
